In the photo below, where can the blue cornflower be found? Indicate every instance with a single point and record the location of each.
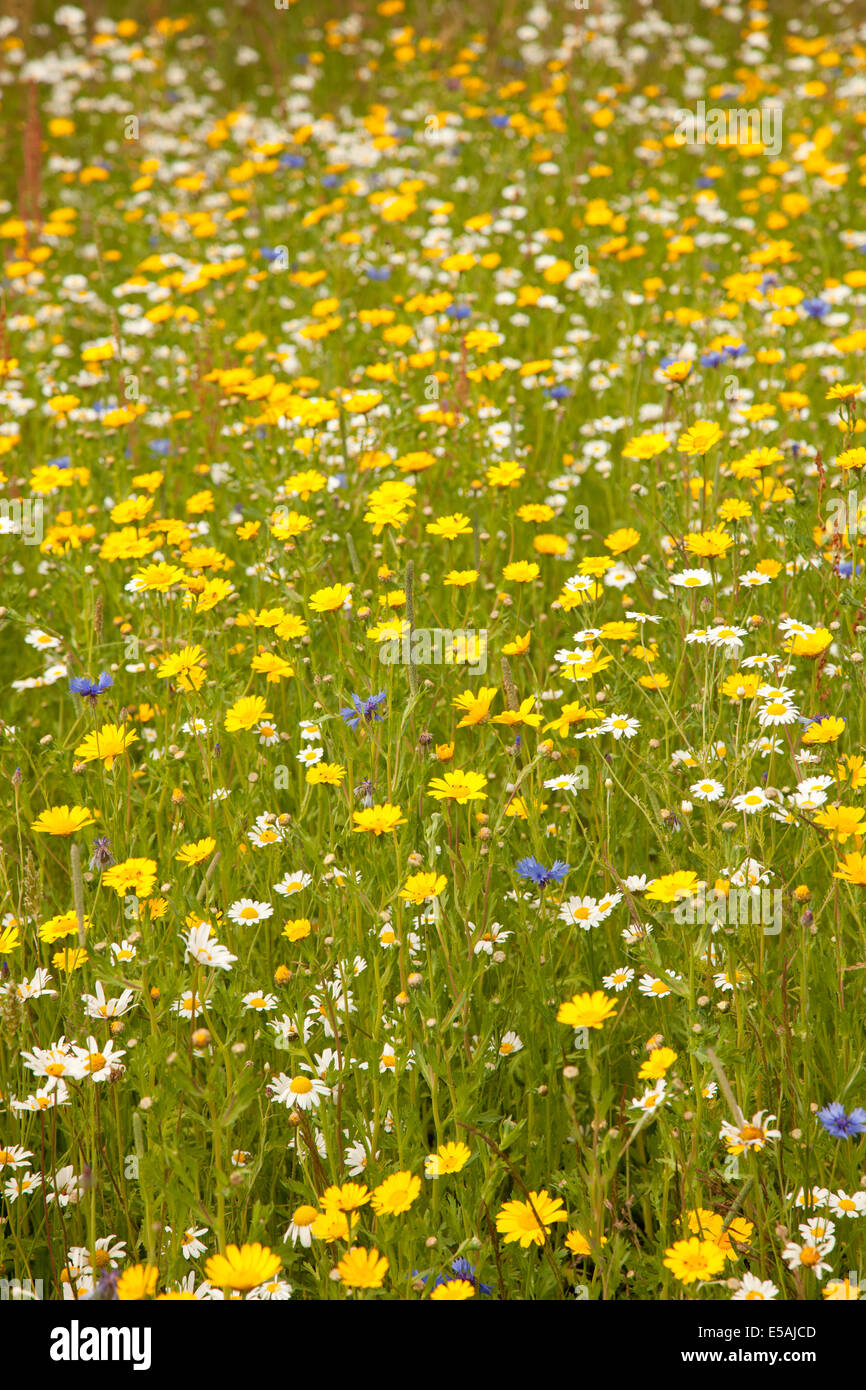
(816, 308)
(377, 272)
(292, 161)
(368, 709)
(531, 868)
(459, 311)
(102, 857)
(556, 393)
(91, 690)
(365, 789)
(106, 1289)
(462, 1269)
(712, 359)
(840, 1125)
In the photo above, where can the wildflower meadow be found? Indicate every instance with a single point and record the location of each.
(432, 614)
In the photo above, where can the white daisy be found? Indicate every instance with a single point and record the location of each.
(246, 911)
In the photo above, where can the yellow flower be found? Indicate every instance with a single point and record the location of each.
(325, 775)
(379, 819)
(708, 1226)
(525, 714)
(694, 1259)
(10, 940)
(56, 928)
(420, 888)
(247, 712)
(137, 1282)
(450, 526)
(303, 485)
(185, 667)
(195, 853)
(275, 668)
(333, 1224)
(578, 1243)
(448, 1158)
(852, 766)
(157, 578)
(700, 438)
(62, 820)
(521, 572)
(659, 1062)
(825, 730)
(586, 667)
(243, 1268)
(529, 1221)
(519, 646)
(842, 1291)
(69, 960)
(587, 1010)
(572, 713)
(61, 405)
(677, 371)
(842, 822)
(453, 1290)
(809, 644)
(362, 1269)
(618, 542)
(853, 869)
(346, 1198)
(848, 392)
(329, 599)
(297, 929)
(475, 704)
(110, 742)
(459, 786)
(741, 687)
(505, 474)
(136, 876)
(396, 1194)
(645, 446)
(671, 887)
(709, 543)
